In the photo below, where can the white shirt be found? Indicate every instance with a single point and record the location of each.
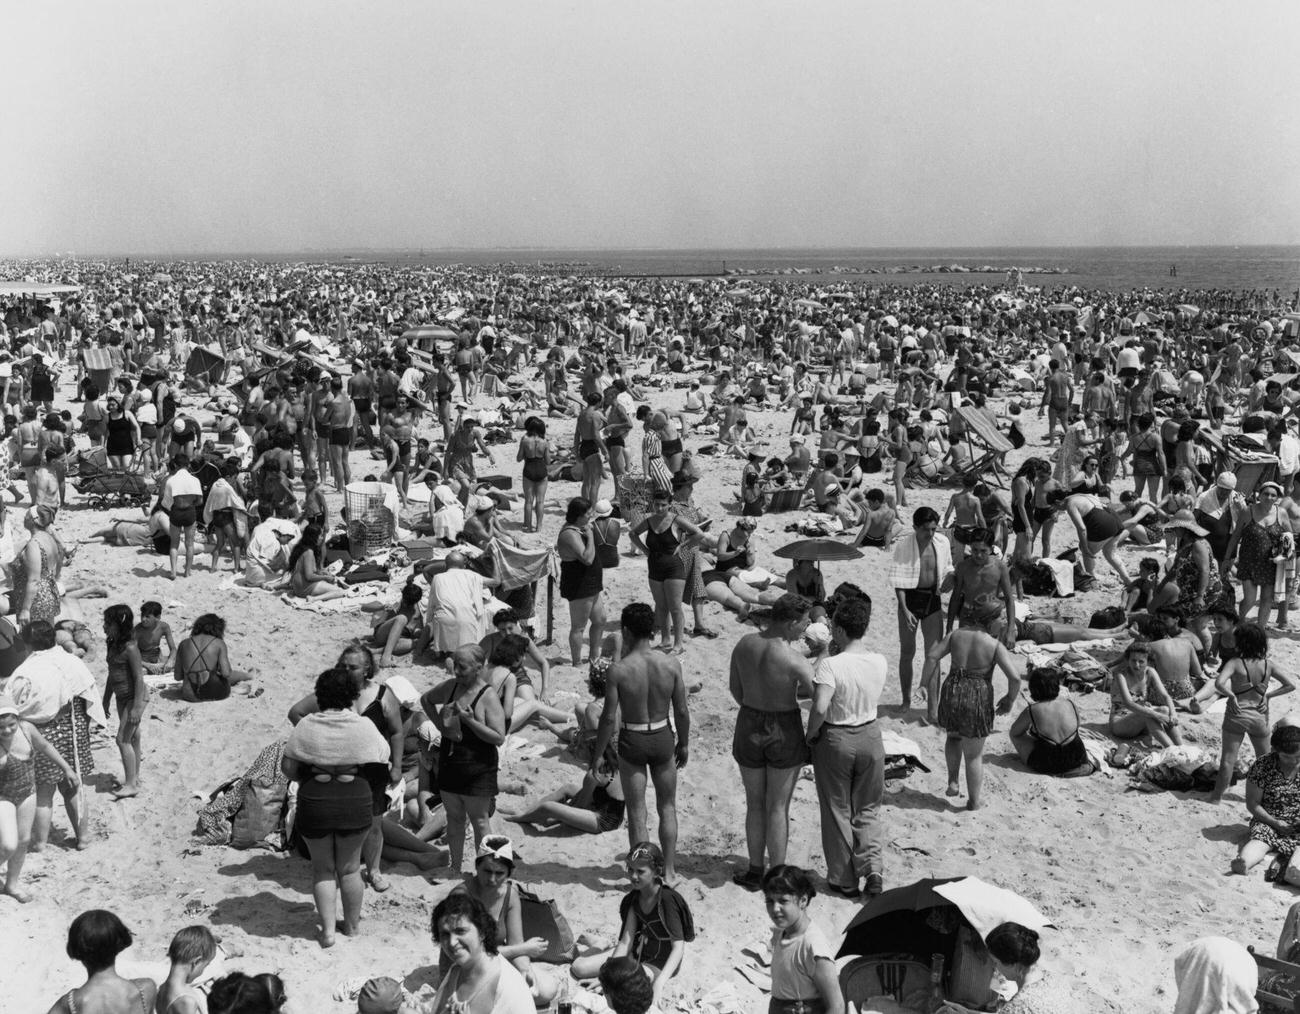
(183, 483)
(1288, 454)
(857, 679)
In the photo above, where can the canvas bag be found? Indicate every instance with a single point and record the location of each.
(544, 919)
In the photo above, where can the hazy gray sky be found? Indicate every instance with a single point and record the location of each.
(190, 126)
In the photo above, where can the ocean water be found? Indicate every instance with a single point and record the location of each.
(1112, 268)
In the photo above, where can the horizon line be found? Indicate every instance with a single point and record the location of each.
(443, 251)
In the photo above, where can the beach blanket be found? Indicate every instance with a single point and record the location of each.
(329, 607)
(337, 737)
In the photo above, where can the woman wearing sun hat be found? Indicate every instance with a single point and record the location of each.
(1193, 585)
(1261, 540)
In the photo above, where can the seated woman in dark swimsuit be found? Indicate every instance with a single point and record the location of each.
(202, 665)
(1046, 734)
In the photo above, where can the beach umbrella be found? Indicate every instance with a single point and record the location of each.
(818, 550)
(905, 916)
(1188, 308)
(739, 293)
(1141, 317)
(430, 333)
(809, 304)
(1062, 308)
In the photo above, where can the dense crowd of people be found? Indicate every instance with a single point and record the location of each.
(420, 373)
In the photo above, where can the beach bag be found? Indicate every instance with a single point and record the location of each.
(542, 918)
(257, 825)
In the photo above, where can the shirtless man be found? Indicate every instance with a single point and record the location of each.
(342, 429)
(878, 527)
(589, 442)
(641, 687)
(769, 742)
(361, 389)
(920, 573)
(618, 424)
(982, 591)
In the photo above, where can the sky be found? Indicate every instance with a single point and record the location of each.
(282, 126)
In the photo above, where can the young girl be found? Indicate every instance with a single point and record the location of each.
(657, 923)
(804, 979)
(126, 681)
(190, 952)
(20, 742)
(1137, 596)
(1139, 702)
(395, 630)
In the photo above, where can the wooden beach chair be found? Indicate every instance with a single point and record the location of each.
(1279, 982)
(988, 445)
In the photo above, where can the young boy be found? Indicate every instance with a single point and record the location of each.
(149, 634)
(878, 526)
(803, 960)
(965, 511)
(190, 952)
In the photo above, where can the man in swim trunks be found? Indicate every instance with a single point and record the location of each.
(618, 424)
(920, 572)
(361, 389)
(589, 443)
(342, 419)
(769, 742)
(878, 526)
(982, 592)
(640, 688)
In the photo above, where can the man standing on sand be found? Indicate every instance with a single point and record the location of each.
(982, 592)
(769, 740)
(920, 572)
(640, 688)
(342, 433)
(1058, 395)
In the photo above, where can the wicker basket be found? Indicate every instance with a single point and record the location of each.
(370, 524)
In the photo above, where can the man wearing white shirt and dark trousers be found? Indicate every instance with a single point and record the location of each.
(848, 754)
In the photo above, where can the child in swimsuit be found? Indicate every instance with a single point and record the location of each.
(190, 952)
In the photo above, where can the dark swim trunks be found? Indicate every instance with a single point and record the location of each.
(922, 602)
(340, 436)
(769, 739)
(588, 448)
(873, 541)
(650, 748)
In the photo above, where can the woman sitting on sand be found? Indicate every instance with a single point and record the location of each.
(306, 579)
(1273, 801)
(1139, 703)
(491, 885)
(203, 665)
(1046, 734)
(478, 979)
(514, 686)
(394, 630)
(95, 939)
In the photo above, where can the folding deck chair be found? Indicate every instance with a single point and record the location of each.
(988, 445)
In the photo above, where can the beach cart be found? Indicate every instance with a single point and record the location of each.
(372, 517)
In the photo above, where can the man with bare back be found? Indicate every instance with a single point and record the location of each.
(769, 742)
(640, 689)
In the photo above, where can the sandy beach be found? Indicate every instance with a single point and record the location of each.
(1127, 877)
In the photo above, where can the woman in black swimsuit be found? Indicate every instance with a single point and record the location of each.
(1046, 734)
(581, 579)
(472, 724)
(661, 535)
(535, 453)
(202, 664)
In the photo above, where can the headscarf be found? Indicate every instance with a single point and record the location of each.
(1216, 975)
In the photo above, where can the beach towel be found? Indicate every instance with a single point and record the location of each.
(516, 566)
(337, 738)
(224, 497)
